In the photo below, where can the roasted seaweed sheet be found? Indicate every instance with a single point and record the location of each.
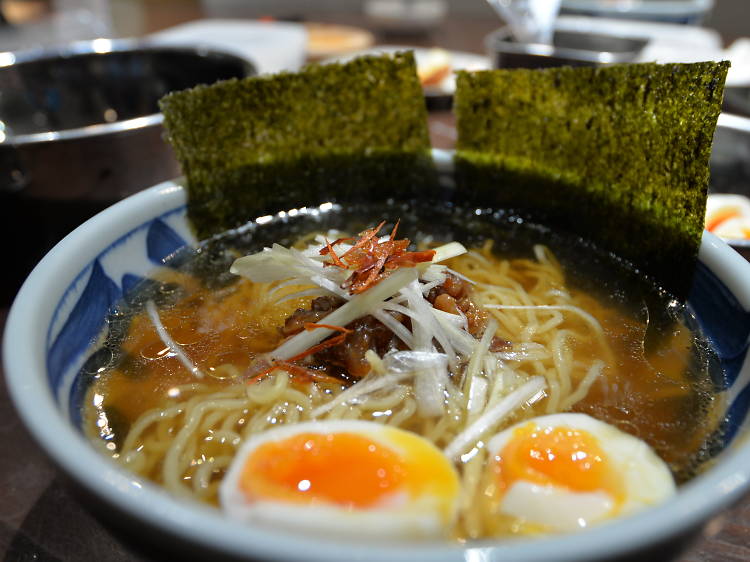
(251, 146)
(617, 154)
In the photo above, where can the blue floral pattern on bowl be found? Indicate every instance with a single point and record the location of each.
(115, 271)
(726, 323)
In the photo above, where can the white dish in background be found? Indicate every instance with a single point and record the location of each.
(728, 216)
(426, 57)
(270, 46)
(677, 11)
(659, 33)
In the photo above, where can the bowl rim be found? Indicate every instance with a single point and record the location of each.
(100, 46)
(26, 330)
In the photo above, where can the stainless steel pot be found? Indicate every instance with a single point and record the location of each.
(80, 129)
(568, 48)
(83, 121)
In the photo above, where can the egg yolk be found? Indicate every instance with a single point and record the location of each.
(346, 469)
(565, 457)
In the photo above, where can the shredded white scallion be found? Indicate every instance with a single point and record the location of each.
(410, 361)
(161, 330)
(424, 327)
(448, 251)
(367, 385)
(480, 350)
(526, 393)
(477, 395)
(360, 305)
(431, 377)
(289, 266)
(454, 326)
(429, 390)
(395, 326)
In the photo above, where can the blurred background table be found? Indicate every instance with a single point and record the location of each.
(40, 517)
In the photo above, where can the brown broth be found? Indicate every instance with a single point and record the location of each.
(655, 394)
(216, 328)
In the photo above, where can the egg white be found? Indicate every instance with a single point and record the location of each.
(646, 479)
(396, 516)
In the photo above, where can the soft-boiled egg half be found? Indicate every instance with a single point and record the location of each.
(565, 472)
(346, 477)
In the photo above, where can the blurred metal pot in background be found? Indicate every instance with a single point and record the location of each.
(80, 129)
(568, 48)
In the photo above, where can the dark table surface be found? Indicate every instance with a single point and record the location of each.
(41, 518)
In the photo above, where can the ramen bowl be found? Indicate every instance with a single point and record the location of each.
(59, 313)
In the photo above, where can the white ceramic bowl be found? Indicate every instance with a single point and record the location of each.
(60, 310)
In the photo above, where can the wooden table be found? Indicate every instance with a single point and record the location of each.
(40, 516)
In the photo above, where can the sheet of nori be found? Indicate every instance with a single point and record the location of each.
(353, 131)
(617, 154)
